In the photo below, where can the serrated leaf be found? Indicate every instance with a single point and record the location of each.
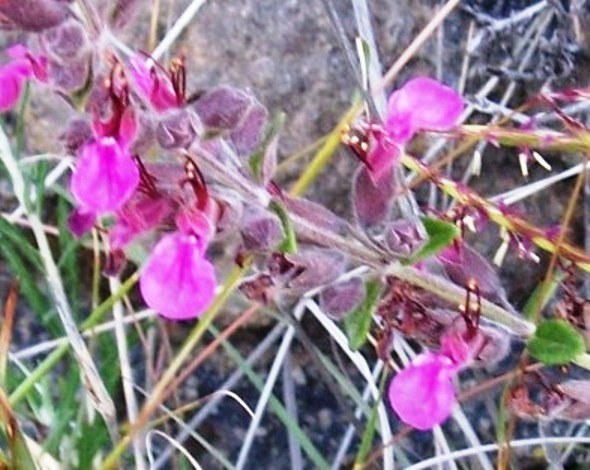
(357, 324)
(440, 235)
(289, 243)
(556, 342)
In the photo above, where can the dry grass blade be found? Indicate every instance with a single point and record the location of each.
(7, 325)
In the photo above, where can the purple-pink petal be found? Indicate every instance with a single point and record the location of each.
(23, 65)
(28, 64)
(177, 281)
(156, 89)
(105, 176)
(422, 103)
(11, 84)
(422, 394)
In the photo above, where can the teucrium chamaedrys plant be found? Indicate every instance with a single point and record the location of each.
(162, 172)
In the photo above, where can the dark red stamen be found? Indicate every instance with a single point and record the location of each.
(195, 178)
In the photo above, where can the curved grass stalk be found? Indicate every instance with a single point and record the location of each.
(542, 139)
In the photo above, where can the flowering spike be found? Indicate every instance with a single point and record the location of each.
(177, 281)
(105, 176)
(422, 394)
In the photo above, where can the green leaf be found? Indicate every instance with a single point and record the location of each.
(556, 342)
(289, 243)
(440, 235)
(357, 324)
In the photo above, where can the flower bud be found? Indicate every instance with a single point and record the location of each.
(66, 41)
(178, 129)
(77, 133)
(260, 229)
(372, 201)
(236, 111)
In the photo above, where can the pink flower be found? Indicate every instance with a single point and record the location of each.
(177, 281)
(23, 66)
(105, 176)
(423, 394)
(156, 88)
(421, 104)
